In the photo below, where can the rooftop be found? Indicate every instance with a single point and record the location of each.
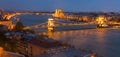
(45, 43)
(64, 52)
(10, 54)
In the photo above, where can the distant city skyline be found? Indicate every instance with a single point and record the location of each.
(66, 5)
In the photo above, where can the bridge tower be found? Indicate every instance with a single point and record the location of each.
(50, 24)
(58, 13)
(101, 21)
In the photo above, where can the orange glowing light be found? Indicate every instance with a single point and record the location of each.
(1, 51)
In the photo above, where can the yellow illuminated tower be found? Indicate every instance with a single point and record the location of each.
(50, 24)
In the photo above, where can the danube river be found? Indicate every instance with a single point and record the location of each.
(105, 42)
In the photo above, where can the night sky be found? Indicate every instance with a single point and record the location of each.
(66, 5)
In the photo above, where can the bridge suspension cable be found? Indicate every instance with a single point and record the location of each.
(51, 24)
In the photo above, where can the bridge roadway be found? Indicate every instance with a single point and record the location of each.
(44, 25)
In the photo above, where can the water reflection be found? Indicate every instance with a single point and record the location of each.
(95, 39)
(50, 34)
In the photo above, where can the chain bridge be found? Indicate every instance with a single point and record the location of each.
(51, 24)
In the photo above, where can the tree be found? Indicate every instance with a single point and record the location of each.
(19, 26)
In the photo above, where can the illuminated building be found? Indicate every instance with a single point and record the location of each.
(85, 18)
(58, 13)
(8, 24)
(101, 21)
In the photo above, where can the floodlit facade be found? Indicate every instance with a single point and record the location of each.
(58, 13)
(8, 24)
(101, 21)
